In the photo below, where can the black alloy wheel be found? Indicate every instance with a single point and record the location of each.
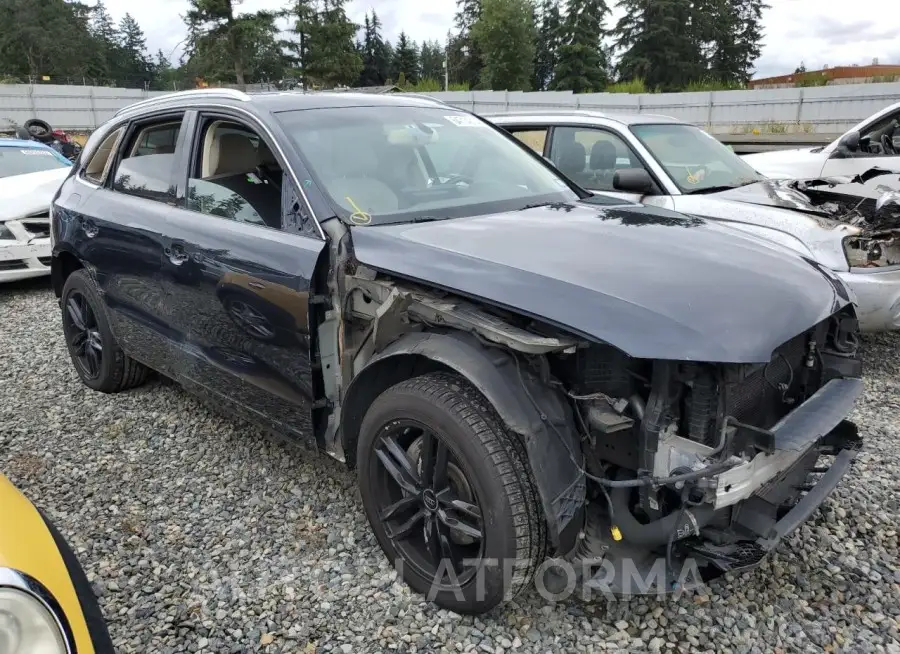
(83, 335)
(448, 491)
(99, 361)
(426, 503)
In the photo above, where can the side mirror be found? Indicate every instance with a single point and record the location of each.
(847, 145)
(633, 180)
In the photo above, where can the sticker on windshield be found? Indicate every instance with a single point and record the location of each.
(35, 152)
(358, 217)
(464, 120)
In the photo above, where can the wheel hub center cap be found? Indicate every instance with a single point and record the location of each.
(429, 499)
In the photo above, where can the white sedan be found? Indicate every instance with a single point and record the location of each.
(873, 142)
(30, 174)
(663, 162)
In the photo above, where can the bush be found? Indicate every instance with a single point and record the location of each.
(811, 79)
(431, 85)
(713, 85)
(632, 86)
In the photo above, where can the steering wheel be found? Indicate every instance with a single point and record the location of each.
(454, 179)
(263, 173)
(887, 144)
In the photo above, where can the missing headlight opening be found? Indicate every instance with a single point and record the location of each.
(873, 251)
(875, 213)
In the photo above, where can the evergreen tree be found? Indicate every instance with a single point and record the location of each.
(660, 44)
(465, 57)
(382, 51)
(547, 47)
(377, 61)
(50, 37)
(406, 59)
(581, 66)
(164, 76)
(104, 31)
(749, 37)
(306, 17)
(333, 58)
(505, 35)
(224, 43)
(132, 48)
(431, 60)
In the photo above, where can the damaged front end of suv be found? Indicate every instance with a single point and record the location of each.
(642, 462)
(712, 462)
(871, 210)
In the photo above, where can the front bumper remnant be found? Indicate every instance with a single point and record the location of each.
(739, 539)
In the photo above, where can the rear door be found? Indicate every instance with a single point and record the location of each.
(238, 266)
(127, 191)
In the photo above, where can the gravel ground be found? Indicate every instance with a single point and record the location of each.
(203, 534)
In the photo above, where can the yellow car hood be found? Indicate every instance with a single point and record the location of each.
(26, 545)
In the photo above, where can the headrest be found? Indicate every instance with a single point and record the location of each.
(571, 158)
(603, 156)
(235, 154)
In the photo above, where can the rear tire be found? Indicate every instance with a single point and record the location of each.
(486, 475)
(99, 361)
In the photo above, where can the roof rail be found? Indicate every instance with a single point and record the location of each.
(424, 96)
(220, 92)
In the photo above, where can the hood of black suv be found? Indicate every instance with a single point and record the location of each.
(651, 282)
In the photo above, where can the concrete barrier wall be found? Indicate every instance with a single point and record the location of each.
(814, 110)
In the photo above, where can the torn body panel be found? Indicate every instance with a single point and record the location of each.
(849, 225)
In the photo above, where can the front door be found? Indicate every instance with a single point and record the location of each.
(879, 145)
(239, 278)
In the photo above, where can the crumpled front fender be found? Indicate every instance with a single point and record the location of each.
(547, 430)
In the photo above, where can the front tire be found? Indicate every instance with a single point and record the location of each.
(449, 494)
(99, 361)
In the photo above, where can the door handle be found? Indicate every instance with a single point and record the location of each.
(89, 227)
(176, 254)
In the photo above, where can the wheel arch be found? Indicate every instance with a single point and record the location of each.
(547, 430)
(63, 264)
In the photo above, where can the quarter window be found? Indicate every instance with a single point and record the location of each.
(148, 162)
(157, 139)
(533, 138)
(98, 164)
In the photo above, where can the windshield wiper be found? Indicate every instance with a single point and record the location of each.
(418, 219)
(427, 219)
(722, 187)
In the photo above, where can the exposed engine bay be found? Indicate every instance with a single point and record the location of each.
(682, 459)
(872, 208)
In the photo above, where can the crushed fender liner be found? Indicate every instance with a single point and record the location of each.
(550, 437)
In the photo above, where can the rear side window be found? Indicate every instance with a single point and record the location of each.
(146, 167)
(157, 139)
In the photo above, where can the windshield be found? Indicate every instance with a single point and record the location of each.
(21, 161)
(696, 161)
(401, 164)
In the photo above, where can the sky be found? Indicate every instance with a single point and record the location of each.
(815, 32)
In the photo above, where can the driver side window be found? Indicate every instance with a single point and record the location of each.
(235, 176)
(591, 156)
(883, 138)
